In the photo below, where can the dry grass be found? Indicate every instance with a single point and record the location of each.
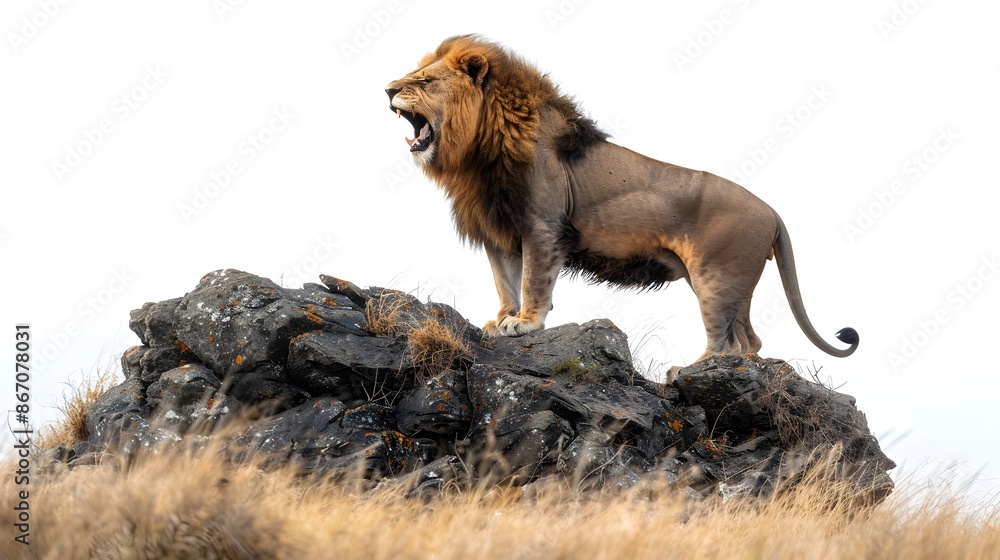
(383, 314)
(434, 348)
(184, 506)
(180, 505)
(72, 426)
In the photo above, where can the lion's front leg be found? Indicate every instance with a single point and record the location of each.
(507, 276)
(541, 265)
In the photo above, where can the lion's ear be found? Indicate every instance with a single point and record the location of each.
(475, 66)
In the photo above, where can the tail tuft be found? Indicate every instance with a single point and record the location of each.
(848, 335)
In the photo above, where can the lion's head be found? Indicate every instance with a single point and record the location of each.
(477, 112)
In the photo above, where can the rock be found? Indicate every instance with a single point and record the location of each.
(154, 323)
(439, 406)
(189, 396)
(266, 390)
(234, 321)
(373, 383)
(346, 366)
(597, 351)
(322, 434)
(106, 414)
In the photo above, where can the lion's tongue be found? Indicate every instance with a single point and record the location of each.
(423, 134)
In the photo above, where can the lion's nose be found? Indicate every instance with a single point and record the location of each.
(391, 92)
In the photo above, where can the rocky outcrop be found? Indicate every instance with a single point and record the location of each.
(335, 378)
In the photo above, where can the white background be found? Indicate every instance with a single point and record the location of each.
(138, 217)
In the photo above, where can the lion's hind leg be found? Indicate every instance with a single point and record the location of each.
(724, 294)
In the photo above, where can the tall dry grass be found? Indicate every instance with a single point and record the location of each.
(187, 505)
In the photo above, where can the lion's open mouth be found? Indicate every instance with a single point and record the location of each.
(422, 131)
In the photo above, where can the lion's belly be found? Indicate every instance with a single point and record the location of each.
(625, 259)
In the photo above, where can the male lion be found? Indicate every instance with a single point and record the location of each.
(539, 187)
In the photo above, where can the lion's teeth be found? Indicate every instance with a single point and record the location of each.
(398, 113)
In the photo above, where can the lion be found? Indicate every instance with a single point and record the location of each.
(539, 187)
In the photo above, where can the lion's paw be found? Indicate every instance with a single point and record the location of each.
(517, 326)
(490, 330)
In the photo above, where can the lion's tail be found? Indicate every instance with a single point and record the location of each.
(789, 279)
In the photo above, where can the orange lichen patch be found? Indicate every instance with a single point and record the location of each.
(211, 323)
(211, 402)
(666, 414)
(181, 346)
(222, 306)
(300, 335)
(316, 404)
(138, 397)
(440, 408)
(312, 317)
(211, 338)
(688, 378)
(437, 312)
(740, 368)
(182, 362)
(239, 359)
(131, 350)
(446, 395)
(614, 326)
(676, 425)
(239, 342)
(235, 303)
(330, 302)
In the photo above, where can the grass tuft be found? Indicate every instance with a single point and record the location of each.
(71, 428)
(435, 348)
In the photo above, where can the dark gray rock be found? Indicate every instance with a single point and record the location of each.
(147, 363)
(749, 398)
(324, 377)
(265, 391)
(154, 323)
(439, 406)
(187, 397)
(104, 419)
(322, 434)
(596, 351)
(346, 366)
(234, 321)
